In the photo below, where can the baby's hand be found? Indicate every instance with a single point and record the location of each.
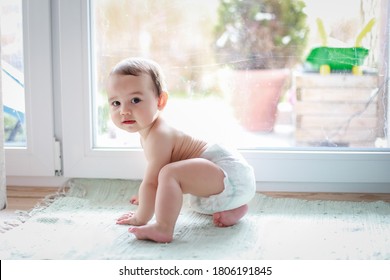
(128, 219)
(134, 200)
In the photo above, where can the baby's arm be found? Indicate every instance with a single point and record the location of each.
(158, 154)
(146, 198)
(147, 194)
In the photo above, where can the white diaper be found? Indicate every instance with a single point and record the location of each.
(240, 183)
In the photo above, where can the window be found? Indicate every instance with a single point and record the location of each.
(27, 88)
(71, 59)
(13, 73)
(207, 97)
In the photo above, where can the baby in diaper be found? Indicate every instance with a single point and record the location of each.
(239, 182)
(220, 182)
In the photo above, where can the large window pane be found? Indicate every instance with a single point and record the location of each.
(12, 73)
(194, 43)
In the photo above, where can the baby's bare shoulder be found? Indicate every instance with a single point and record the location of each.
(160, 141)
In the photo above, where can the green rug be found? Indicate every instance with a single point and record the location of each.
(81, 225)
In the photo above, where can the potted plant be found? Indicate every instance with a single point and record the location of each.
(254, 37)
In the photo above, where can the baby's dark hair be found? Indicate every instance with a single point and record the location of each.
(137, 66)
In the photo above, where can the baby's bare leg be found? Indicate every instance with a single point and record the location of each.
(199, 177)
(229, 217)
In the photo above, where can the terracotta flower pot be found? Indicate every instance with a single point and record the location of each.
(255, 96)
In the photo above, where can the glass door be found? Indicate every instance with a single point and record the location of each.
(27, 88)
(12, 73)
(210, 50)
(186, 38)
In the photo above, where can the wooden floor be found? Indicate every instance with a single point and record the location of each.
(25, 198)
(334, 196)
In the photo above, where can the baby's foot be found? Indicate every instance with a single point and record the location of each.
(128, 219)
(152, 232)
(229, 217)
(134, 200)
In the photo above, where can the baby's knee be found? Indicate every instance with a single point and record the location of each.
(167, 172)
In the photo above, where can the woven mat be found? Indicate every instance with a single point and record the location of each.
(81, 225)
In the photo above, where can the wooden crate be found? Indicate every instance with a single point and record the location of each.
(336, 110)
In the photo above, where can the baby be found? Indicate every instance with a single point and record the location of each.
(220, 182)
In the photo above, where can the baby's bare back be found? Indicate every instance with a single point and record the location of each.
(173, 144)
(187, 147)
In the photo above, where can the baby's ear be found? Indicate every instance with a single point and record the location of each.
(162, 100)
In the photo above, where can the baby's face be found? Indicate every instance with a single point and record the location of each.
(133, 101)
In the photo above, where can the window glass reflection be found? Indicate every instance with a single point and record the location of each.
(239, 71)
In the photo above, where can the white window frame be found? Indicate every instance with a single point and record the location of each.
(37, 159)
